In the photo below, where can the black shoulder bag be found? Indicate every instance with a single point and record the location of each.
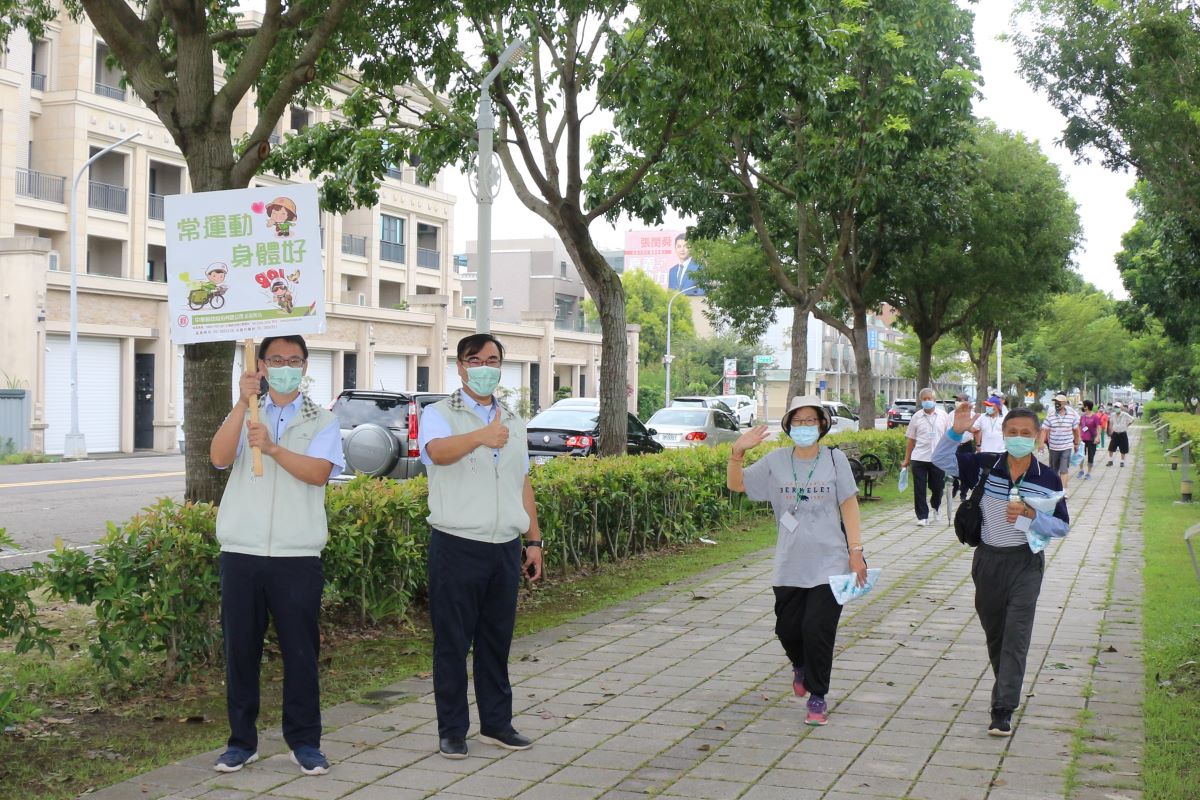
(968, 519)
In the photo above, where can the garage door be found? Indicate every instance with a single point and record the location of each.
(391, 373)
(320, 369)
(99, 393)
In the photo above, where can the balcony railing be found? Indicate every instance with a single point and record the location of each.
(37, 81)
(429, 259)
(395, 172)
(391, 251)
(106, 197)
(115, 92)
(577, 324)
(156, 208)
(41, 186)
(357, 245)
(273, 138)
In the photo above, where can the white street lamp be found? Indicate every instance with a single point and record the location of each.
(75, 445)
(668, 358)
(487, 185)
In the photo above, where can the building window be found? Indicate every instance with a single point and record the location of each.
(497, 302)
(108, 77)
(562, 269)
(39, 65)
(391, 239)
(299, 119)
(429, 254)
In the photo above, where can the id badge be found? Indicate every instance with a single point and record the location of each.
(789, 522)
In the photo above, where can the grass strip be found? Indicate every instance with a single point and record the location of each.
(81, 731)
(1171, 635)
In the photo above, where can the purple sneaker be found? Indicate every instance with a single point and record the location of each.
(818, 712)
(798, 683)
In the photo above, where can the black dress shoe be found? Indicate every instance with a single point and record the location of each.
(510, 740)
(453, 747)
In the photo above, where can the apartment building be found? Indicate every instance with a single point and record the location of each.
(394, 299)
(529, 276)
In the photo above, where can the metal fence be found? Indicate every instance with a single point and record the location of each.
(106, 197)
(37, 81)
(391, 251)
(115, 92)
(156, 208)
(430, 259)
(356, 245)
(41, 186)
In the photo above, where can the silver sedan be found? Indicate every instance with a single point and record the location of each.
(693, 427)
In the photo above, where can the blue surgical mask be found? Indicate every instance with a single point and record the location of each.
(483, 380)
(805, 435)
(927, 405)
(1019, 446)
(284, 380)
(989, 410)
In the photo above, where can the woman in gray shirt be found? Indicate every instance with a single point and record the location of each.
(813, 494)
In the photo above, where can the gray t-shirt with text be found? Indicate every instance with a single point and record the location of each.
(814, 548)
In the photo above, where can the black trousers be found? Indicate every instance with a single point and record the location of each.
(1090, 449)
(806, 622)
(924, 473)
(288, 590)
(472, 604)
(1008, 581)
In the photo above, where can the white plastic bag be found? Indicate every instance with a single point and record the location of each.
(845, 587)
(903, 483)
(1077, 456)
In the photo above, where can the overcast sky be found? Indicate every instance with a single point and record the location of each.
(1104, 207)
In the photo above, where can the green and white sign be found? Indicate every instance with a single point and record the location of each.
(245, 264)
(764, 359)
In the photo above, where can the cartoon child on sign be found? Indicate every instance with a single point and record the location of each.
(282, 295)
(281, 215)
(211, 290)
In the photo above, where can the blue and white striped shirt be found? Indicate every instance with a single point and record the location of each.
(1038, 481)
(1061, 427)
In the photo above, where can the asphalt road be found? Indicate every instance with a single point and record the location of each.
(74, 501)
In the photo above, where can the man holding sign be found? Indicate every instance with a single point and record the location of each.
(272, 530)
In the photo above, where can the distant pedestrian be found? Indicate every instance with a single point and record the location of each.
(1104, 412)
(925, 430)
(1006, 568)
(272, 531)
(1060, 433)
(1118, 433)
(989, 428)
(815, 499)
(1090, 426)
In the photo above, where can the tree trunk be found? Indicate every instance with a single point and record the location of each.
(1020, 393)
(798, 378)
(925, 363)
(862, 362)
(987, 343)
(606, 290)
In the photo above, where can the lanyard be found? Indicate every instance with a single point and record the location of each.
(802, 497)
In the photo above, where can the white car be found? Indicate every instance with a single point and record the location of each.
(681, 426)
(843, 418)
(743, 408)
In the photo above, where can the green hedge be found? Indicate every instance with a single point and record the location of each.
(1183, 427)
(154, 582)
(1156, 407)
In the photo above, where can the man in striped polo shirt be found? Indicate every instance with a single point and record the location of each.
(1060, 431)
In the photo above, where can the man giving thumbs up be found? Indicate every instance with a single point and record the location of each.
(480, 504)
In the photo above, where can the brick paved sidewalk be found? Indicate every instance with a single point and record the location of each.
(685, 693)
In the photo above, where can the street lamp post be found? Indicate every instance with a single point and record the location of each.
(487, 185)
(668, 358)
(75, 444)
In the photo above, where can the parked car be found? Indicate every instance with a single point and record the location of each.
(901, 412)
(743, 408)
(704, 402)
(379, 432)
(842, 417)
(692, 427)
(577, 402)
(575, 432)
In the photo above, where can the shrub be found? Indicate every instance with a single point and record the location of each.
(1183, 427)
(1156, 407)
(154, 585)
(18, 614)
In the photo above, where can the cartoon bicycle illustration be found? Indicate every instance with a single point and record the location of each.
(210, 292)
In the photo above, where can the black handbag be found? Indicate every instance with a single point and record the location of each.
(968, 519)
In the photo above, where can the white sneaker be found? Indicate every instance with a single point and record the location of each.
(922, 523)
(937, 514)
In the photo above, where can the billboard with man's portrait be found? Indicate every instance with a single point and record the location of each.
(665, 257)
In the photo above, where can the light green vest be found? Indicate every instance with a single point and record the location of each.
(277, 514)
(479, 496)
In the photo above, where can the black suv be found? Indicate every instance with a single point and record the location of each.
(379, 432)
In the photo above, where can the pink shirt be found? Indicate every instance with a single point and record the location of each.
(1090, 426)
